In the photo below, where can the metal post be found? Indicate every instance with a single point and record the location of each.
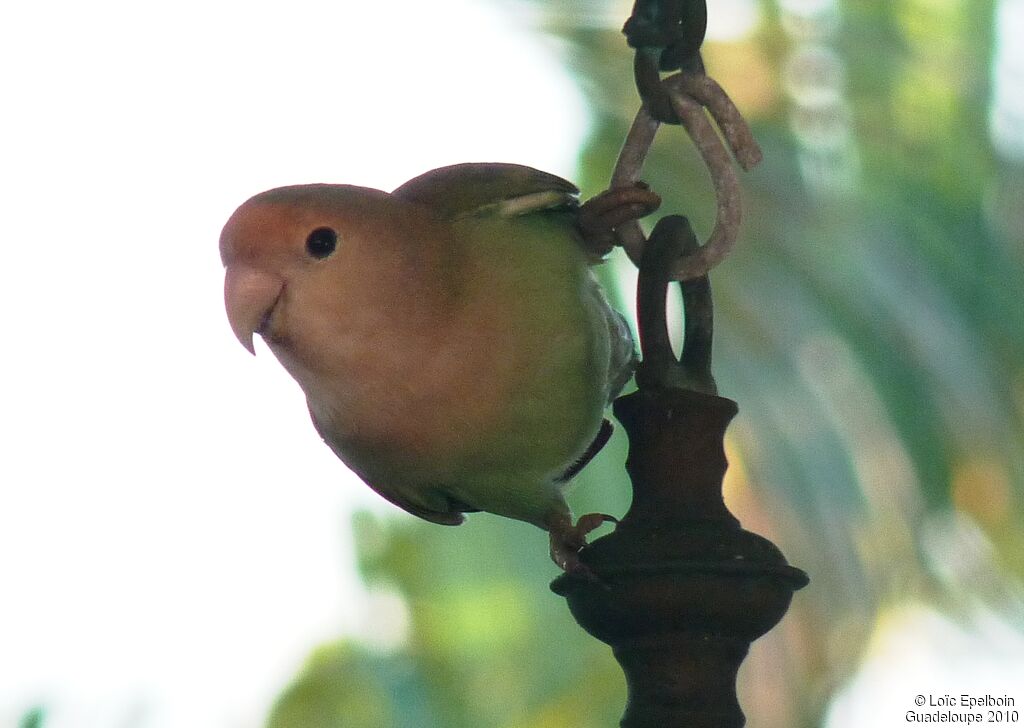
(681, 590)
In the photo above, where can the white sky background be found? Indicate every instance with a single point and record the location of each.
(172, 537)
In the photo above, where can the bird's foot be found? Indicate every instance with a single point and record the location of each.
(568, 539)
(600, 215)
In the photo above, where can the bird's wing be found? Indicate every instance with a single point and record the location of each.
(480, 188)
(510, 190)
(430, 504)
(622, 359)
(622, 356)
(449, 511)
(600, 440)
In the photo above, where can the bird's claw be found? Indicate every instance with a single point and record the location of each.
(600, 215)
(591, 521)
(567, 540)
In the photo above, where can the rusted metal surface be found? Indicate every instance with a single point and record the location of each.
(679, 589)
(682, 589)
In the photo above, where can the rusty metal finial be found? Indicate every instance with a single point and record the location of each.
(679, 589)
(659, 367)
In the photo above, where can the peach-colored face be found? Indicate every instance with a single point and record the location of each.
(280, 236)
(273, 226)
(334, 256)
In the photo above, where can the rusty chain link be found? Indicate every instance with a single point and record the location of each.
(667, 35)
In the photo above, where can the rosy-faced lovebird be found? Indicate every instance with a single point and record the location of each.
(453, 346)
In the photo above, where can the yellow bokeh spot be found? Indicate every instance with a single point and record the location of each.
(735, 485)
(743, 69)
(981, 488)
(476, 619)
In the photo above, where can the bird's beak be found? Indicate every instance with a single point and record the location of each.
(249, 297)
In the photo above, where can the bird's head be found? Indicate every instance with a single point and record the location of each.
(302, 258)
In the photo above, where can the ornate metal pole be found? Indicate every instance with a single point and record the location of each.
(681, 590)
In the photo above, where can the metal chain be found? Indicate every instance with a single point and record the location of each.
(675, 28)
(667, 34)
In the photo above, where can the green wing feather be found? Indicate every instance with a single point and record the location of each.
(479, 188)
(508, 190)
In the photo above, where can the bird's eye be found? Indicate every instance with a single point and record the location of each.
(321, 242)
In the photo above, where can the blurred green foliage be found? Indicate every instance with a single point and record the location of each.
(34, 718)
(870, 327)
